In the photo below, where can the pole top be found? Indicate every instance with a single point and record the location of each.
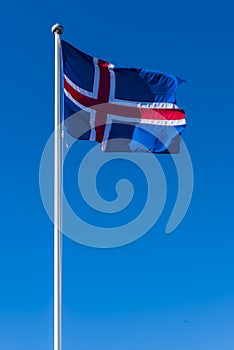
(57, 28)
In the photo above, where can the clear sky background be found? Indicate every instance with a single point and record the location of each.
(163, 291)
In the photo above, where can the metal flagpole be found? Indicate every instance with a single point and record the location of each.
(57, 29)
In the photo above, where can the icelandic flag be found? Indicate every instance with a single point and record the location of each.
(125, 109)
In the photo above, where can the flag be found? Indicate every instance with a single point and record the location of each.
(124, 109)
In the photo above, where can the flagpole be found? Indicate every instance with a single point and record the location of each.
(57, 29)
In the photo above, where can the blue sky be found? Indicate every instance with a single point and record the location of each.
(162, 291)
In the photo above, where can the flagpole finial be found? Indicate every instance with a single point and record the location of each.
(57, 28)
